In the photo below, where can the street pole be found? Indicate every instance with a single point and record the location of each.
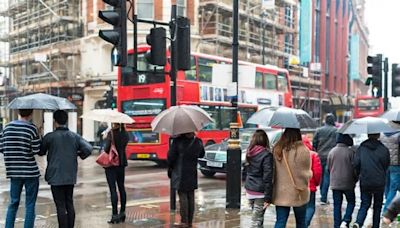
(234, 162)
(263, 36)
(173, 53)
(385, 95)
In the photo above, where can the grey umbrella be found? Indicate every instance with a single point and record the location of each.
(41, 101)
(392, 115)
(283, 117)
(366, 125)
(181, 119)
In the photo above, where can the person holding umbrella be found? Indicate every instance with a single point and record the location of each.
(184, 151)
(259, 169)
(62, 147)
(115, 175)
(291, 179)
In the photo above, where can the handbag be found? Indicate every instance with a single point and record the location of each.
(111, 158)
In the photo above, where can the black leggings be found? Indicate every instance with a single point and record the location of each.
(116, 176)
(186, 202)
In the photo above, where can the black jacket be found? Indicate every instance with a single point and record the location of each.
(62, 148)
(121, 140)
(182, 160)
(371, 162)
(260, 172)
(324, 140)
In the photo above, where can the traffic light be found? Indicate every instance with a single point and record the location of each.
(375, 70)
(117, 36)
(395, 80)
(110, 100)
(157, 40)
(183, 40)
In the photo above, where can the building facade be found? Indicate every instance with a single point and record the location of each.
(334, 43)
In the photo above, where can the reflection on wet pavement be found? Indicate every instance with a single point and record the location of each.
(148, 201)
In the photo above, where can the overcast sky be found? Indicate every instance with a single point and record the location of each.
(383, 17)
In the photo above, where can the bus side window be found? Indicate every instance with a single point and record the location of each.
(259, 80)
(205, 69)
(282, 83)
(192, 73)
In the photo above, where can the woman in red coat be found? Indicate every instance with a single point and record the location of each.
(315, 180)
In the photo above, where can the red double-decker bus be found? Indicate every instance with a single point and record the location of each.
(144, 95)
(368, 106)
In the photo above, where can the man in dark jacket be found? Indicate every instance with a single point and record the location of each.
(182, 160)
(323, 142)
(371, 162)
(62, 148)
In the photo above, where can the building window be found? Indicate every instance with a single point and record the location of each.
(181, 8)
(145, 9)
(205, 69)
(289, 16)
(289, 43)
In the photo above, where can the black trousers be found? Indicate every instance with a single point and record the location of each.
(186, 202)
(116, 177)
(63, 198)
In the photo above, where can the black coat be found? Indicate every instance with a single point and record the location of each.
(62, 148)
(182, 160)
(121, 139)
(371, 162)
(260, 172)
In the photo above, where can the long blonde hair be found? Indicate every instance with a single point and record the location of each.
(288, 139)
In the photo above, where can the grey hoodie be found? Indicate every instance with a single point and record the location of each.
(340, 165)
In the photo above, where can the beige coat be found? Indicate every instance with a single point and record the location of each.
(285, 193)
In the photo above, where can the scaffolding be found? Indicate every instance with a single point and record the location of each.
(43, 41)
(279, 25)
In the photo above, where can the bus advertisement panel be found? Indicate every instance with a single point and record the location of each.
(144, 95)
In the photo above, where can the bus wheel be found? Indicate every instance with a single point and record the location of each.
(162, 163)
(210, 142)
(207, 173)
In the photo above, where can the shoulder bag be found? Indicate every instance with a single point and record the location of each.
(111, 158)
(291, 175)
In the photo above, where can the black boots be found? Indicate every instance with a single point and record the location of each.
(114, 219)
(122, 216)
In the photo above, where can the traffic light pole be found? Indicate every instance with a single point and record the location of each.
(172, 75)
(386, 75)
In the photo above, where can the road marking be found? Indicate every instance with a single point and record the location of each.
(134, 203)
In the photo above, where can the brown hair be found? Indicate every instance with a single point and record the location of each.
(287, 141)
(260, 138)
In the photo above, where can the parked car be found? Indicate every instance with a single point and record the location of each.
(215, 157)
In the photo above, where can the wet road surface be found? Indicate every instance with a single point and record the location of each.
(147, 189)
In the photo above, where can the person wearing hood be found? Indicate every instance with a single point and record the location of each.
(343, 179)
(391, 141)
(291, 178)
(371, 162)
(258, 185)
(323, 142)
(315, 180)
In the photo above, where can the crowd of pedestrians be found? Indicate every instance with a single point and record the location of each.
(336, 164)
(285, 175)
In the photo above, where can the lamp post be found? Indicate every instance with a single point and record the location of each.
(234, 153)
(263, 14)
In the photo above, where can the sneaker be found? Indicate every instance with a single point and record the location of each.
(344, 225)
(324, 202)
(355, 225)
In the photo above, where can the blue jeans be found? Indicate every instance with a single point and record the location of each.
(324, 188)
(282, 215)
(366, 200)
(31, 191)
(337, 206)
(394, 180)
(310, 209)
